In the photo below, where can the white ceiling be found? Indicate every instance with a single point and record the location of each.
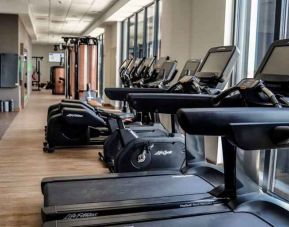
(48, 20)
(53, 19)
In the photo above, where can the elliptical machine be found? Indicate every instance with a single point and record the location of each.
(125, 151)
(74, 124)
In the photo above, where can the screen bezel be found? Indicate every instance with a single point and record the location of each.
(196, 61)
(230, 49)
(171, 63)
(272, 77)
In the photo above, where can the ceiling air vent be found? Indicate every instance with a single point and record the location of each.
(58, 21)
(41, 18)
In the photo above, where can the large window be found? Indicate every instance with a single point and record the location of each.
(280, 182)
(124, 39)
(160, 9)
(280, 158)
(242, 35)
(132, 27)
(265, 28)
(150, 31)
(141, 32)
(254, 32)
(257, 24)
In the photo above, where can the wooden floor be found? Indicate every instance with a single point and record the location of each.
(23, 164)
(5, 121)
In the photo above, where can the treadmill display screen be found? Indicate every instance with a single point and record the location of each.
(216, 62)
(190, 68)
(277, 63)
(165, 70)
(147, 62)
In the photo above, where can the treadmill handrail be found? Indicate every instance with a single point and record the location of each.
(247, 128)
(120, 94)
(168, 103)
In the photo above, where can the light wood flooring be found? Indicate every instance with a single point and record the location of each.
(23, 163)
(5, 121)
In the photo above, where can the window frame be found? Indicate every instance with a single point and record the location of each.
(280, 30)
(155, 35)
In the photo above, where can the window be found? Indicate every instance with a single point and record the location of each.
(132, 24)
(265, 28)
(100, 66)
(254, 32)
(140, 34)
(257, 24)
(284, 33)
(160, 8)
(280, 159)
(280, 183)
(243, 8)
(150, 31)
(124, 39)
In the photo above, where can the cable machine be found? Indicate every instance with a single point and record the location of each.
(81, 67)
(36, 76)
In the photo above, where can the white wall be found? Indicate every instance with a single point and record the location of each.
(110, 58)
(208, 20)
(44, 50)
(176, 29)
(189, 28)
(27, 43)
(13, 33)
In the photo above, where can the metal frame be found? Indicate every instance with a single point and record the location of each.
(101, 63)
(145, 32)
(135, 49)
(156, 28)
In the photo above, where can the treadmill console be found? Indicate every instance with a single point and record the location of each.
(185, 79)
(217, 66)
(248, 84)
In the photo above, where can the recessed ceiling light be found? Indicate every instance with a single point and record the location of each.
(59, 2)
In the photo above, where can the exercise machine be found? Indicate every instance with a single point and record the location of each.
(36, 76)
(203, 195)
(156, 148)
(74, 124)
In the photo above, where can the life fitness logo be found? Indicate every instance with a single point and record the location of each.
(74, 115)
(163, 153)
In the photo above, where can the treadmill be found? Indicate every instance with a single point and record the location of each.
(142, 71)
(235, 125)
(223, 206)
(106, 194)
(131, 68)
(212, 75)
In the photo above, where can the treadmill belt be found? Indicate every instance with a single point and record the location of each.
(213, 220)
(118, 189)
